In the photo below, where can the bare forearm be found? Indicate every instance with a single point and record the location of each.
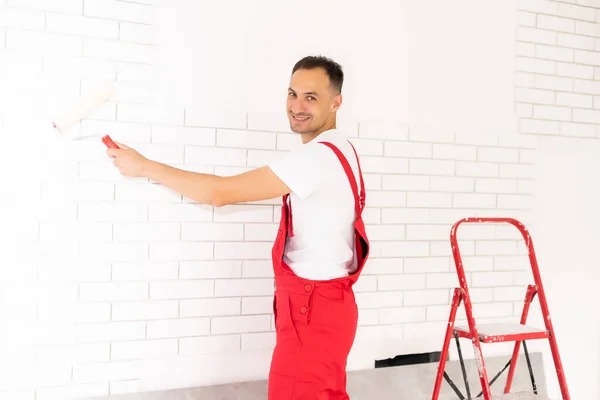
(202, 188)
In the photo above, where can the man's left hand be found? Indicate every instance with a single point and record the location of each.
(128, 160)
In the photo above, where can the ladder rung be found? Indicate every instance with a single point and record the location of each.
(503, 332)
(519, 396)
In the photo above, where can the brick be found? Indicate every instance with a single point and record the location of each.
(500, 155)
(539, 6)
(244, 213)
(82, 26)
(144, 271)
(178, 328)
(587, 28)
(104, 212)
(212, 232)
(556, 83)
(552, 113)
(143, 349)
(243, 287)
(243, 251)
(524, 110)
(552, 23)
(405, 249)
(518, 141)
(524, 79)
(489, 185)
(420, 133)
(426, 231)
(575, 41)
(443, 280)
(126, 132)
(78, 67)
(426, 297)
(115, 251)
(137, 33)
(431, 167)
(149, 114)
(384, 165)
(143, 192)
(215, 118)
(258, 341)
(386, 199)
(431, 199)
(168, 251)
(372, 182)
(574, 100)
(175, 212)
(538, 127)
(75, 231)
(526, 18)
(380, 266)
(210, 344)
(476, 137)
(534, 96)
(493, 310)
(119, 10)
(525, 64)
(454, 152)
(118, 51)
(589, 116)
(509, 294)
(209, 307)
(402, 315)
(146, 232)
(515, 201)
(210, 269)
(554, 53)
(145, 310)
(587, 57)
(259, 158)
(113, 291)
(111, 331)
(591, 3)
(403, 215)
(517, 171)
(385, 232)
(102, 372)
(43, 43)
(215, 156)
(183, 135)
(534, 35)
(577, 12)
(474, 200)
(476, 169)
(371, 300)
(383, 130)
(408, 149)
(451, 184)
(367, 147)
(240, 324)
(586, 87)
(257, 269)
(22, 18)
(405, 182)
(270, 122)
(246, 139)
(492, 279)
(257, 305)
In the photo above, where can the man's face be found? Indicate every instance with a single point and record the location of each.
(311, 102)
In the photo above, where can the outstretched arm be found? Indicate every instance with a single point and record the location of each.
(255, 185)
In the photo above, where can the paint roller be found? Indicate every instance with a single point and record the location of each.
(86, 106)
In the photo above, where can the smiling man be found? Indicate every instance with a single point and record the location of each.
(320, 247)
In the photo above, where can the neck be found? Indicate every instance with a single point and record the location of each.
(307, 137)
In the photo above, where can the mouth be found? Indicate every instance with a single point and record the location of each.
(299, 118)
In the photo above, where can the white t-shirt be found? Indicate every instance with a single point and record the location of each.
(322, 201)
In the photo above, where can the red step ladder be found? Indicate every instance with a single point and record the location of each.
(496, 333)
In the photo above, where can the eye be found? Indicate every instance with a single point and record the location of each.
(311, 98)
(291, 94)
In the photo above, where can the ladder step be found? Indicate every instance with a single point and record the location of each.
(503, 332)
(519, 396)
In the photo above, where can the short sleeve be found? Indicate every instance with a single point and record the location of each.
(304, 169)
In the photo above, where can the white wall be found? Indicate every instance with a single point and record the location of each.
(112, 285)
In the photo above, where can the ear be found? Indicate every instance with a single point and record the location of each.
(337, 102)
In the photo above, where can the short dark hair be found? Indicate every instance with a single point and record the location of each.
(332, 68)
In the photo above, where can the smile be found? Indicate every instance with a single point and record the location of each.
(300, 118)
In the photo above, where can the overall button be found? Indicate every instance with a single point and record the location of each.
(303, 310)
(307, 288)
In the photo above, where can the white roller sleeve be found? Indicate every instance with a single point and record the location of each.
(86, 106)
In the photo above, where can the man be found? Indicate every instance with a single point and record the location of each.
(320, 248)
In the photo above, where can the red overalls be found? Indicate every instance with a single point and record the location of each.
(315, 321)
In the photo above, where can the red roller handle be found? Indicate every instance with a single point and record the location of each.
(109, 142)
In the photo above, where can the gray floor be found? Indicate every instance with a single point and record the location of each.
(413, 382)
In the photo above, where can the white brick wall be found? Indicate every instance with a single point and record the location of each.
(141, 276)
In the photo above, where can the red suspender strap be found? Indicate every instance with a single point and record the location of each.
(359, 202)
